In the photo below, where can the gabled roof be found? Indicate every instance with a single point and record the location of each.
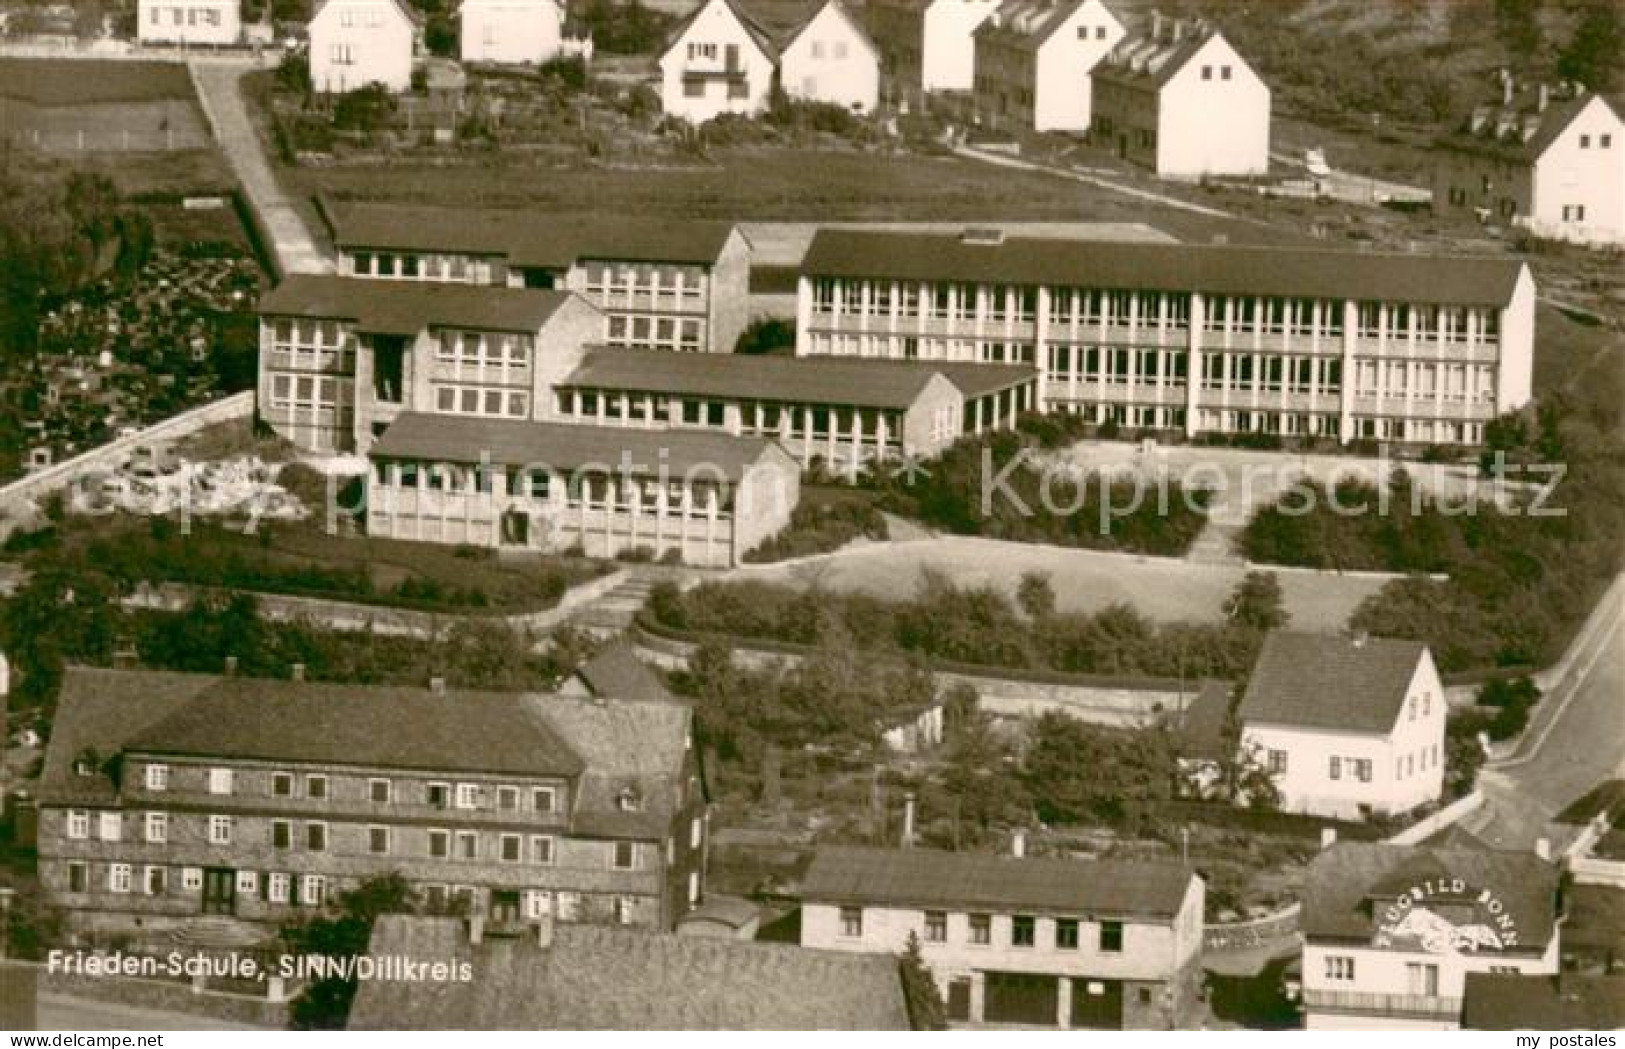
(758, 33)
(388, 307)
(407, 11)
(604, 978)
(1141, 59)
(615, 672)
(1330, 681)
(1202, 730)
(320, 723)
(1531, 132)
(1566, 1002)
(527, 238)
(790, 36)
(1030, 23)
(799, 380)
(434, 438)
(929, 878)
(1350, 884)
(1211, 269)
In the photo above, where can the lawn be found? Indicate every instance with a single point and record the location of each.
(78, 82)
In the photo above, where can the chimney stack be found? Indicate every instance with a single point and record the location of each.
(908, 820)
(1328, 837)
(1543, 98)
(1018, 844)
(476, 929)
(437, 685)
(231, 665)
(1543, 849)
(1508, 88)
(1156, 26)
(544, 931)
(297, 672)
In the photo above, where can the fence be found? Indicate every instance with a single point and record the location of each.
(111, 140)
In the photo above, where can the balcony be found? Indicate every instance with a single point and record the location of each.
(1398, 1006)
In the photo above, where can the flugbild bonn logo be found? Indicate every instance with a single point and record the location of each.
(1440, 915)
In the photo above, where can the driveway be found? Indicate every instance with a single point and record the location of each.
(220, 92)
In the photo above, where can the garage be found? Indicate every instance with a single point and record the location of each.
(1021, 998)
(1097, 1004)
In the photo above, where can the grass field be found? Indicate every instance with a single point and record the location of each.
(78, 82)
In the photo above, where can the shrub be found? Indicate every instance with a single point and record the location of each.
(765, 335)
(817, 528)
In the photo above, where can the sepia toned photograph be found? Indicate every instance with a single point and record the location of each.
(586, 516)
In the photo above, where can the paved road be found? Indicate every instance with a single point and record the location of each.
(59, 1012)
(220, 92)
(1583, 745)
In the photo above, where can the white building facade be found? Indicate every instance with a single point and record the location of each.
(354, 43)
(831, 59)
(210, 23)
(719, 61)
(510, 32)
(1034, 59)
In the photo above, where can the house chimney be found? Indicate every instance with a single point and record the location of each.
(1543, 848)
(908, 820)
(297, 672)
(437, 685)
(1018, 844)
(476, 929)
(1328, 837)
(544, 931)
(1156, 25)
(231, 665)
(1508, 88)
(1543, 98)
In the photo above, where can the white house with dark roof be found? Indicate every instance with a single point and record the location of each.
(549, 977)
(719, 60)
(1350, 727)
(216, 23)
(1034, 59)
(1555, 165)
(510, 32)
(1110, 945)
(1184, 103)
(1191, 338)
(830, 58)
(1392, 932)
(168, 798)
(354, 43)
(668, 285)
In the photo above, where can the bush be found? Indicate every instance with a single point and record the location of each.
(817, 528)
(367, 109)
(564, 73)
(766, 335)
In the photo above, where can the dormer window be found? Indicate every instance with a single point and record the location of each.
(84, 765)
(157, 777)
(628, 800)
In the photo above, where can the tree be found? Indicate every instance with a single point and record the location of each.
(368, 108)
(1257, 602)
(979, 773)
(766, 335)
(1036, 594)
(1517, 23)
(324, 1005)
(1596, 50)
(1083, 773)
(926, 1010)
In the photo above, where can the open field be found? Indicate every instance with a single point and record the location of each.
(80, 82)
(1165, 589)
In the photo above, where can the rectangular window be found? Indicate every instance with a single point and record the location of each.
(624, 856)
(220, 830)
(78, 877)
(312, 890)
(157, 777)
(219, 781)
(1066, 934)
(439, 795)
(281, 834)
(277, 887)
(110, 827)
(852, 922)
(468, 845)
(157, 827)
(78, 824)
(315, 786)
(541, 850)
(544, 799)
(1023, 930)
(439, 844)
(316, 837)
(156, 881)
(1276, 762)
(508, 799)
(248, 883)
(1336, 767)
(378, 791)
(468, 796)
(378, 840)
(981, 928)
(936, 927)
(511, 848)
(1111, 937)
(119, 877)
(282, 784)
(1339, 967)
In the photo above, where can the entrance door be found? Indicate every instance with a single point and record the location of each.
(219, 891)
(1097, 1004)
(959, 998)
(1021, 998)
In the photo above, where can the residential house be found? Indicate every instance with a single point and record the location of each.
(551, 977)
(210, 23)
(830, 58)
(670, 285)
(1391, 932)
(169, 797)
(703, 498)
(1194, 339)
(614, 672)
(510, 32)
(927, 46)
(1349, 727)
(354, 43)
(1034, 59)
(342, 358)
(1555, 166)
(1184, 103)
(841, 414)
(1566, 1001)
(1112, 945)
(719, 60)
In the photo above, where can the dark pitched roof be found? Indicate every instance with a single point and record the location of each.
(1202, 729)
(799, 380)
(527, 238)
(759, 34)
(604, 978)
(789, 36)
(615, 672)
(1027, 23)
(1213, 269)
(322, 723)
(1140, 59)
(925, 877)
(1330, 681)
(102, 710)
(1344, 880)
(1531, 132)
(1567, 1002)
(427, 437)
(409, 307)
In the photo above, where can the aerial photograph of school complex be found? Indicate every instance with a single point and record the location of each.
(756, 515)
